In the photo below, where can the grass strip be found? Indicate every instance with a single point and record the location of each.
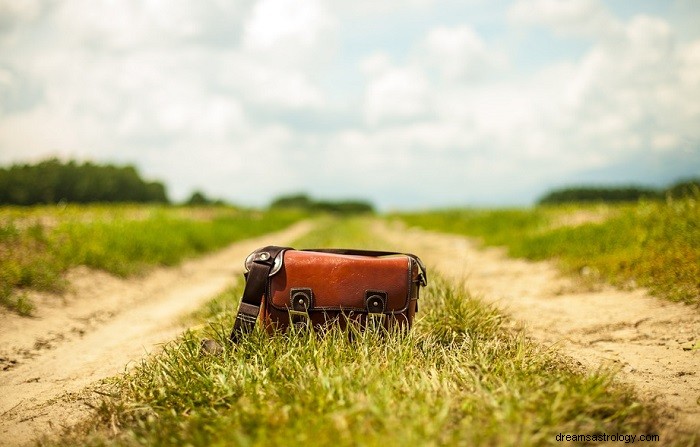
(460, 377)
(651, 244)
(38, 245)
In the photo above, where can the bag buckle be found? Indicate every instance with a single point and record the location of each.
(245, 321)
(301, 301)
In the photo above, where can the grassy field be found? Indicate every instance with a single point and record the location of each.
(461, 377)
(38, 244)
(651, 244)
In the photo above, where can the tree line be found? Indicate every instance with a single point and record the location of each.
(306, 203)
(54, 181)
(683, 188)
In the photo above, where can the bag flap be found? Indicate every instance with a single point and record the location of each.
(342, 282)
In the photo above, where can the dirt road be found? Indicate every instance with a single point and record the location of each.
(648, 339)
(99, 328)
(107, 323)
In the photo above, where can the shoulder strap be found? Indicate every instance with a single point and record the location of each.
(262, 262)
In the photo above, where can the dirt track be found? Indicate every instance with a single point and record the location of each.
(648, 339)
(107, 323)
(102, 326)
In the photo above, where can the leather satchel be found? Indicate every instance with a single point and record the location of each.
(321, 287)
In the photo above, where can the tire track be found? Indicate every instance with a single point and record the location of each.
(105, 325)
(650, 341)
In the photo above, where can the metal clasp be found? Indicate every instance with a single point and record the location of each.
(375, 301)
(264, 256)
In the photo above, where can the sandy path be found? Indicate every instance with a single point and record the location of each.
(646, 338)
(104, 324)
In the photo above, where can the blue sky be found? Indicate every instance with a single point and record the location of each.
(418, 103)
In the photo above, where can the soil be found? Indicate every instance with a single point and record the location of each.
(653, 344)
(99, 329)
(49, 364)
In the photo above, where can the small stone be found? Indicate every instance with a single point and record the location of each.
(210, 347)
(690, 346)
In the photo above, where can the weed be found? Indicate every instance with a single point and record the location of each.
(19, 303)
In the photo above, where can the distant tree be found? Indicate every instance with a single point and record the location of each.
(304, 202)
(155, 191)
(344, 207)
(598, 194)
(52, 181)
(684, 188)
(301, 201)
(198, 198)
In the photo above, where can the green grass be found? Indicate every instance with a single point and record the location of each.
(651, 244)
(460, 377)
(38, 244)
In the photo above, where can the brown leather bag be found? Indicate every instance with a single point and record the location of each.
(316, 287)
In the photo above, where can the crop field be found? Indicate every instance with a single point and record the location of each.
(651, 244)
(464, 375)
(38, 244)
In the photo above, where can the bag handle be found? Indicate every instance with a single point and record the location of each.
(263, 261)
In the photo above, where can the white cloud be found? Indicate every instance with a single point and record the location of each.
(394, 93)
(284, 45)
(620, 101)
(44, 131)
(375, 64)
(690, 64)
(357, 8)
(625, 93)
(274, 87)
(459, 53)
(106, 25)
(276, 21)
(12, 12)
(296, 35)
(571, 17)
(216, 95)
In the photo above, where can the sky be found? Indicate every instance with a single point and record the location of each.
(409, 104)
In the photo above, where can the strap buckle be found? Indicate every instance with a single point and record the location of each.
(246, 318)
